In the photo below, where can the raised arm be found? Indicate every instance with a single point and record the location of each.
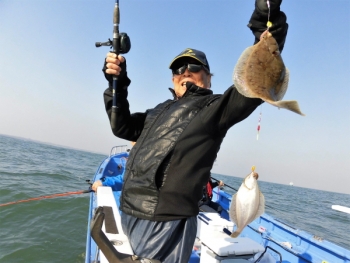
(128, 126)
(259, 19)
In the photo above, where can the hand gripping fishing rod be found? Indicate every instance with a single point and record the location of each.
(225, 184)
(121, 45)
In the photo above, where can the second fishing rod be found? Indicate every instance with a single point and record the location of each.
(237, 191)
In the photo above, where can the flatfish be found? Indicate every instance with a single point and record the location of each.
(261, 73)
(247, 204)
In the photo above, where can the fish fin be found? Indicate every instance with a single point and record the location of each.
(232, 210)
(291, 105)
(261, 208)
(239, 71)
(235, 234)
(282, 87)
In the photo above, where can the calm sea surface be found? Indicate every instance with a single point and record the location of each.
(54, 230)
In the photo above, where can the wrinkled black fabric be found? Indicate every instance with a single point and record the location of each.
(169, 242)
(177, 144)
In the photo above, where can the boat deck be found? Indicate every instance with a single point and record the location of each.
(282, 242)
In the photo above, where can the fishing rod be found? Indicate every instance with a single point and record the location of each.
(48, 196)
(253, 169)
(120, 45)
(225, 184)
(236, 190)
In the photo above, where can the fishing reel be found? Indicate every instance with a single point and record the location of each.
(124, 43)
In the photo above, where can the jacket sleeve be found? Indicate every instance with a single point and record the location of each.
(128, 126)
(258, 24)
(227, 110)
(115, 182)
(214, 184)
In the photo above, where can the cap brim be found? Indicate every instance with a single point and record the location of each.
(186, 56)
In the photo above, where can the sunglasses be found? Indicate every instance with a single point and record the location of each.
(191, 68)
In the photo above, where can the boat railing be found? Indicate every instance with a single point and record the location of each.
(118, 149)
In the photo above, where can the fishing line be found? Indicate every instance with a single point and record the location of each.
(269, 23)
(47, 197)
(259, 123)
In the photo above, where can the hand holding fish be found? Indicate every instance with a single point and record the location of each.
(263, 6)
(247, 204)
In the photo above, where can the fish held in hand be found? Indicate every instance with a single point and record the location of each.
(247, 204)
(261, 73)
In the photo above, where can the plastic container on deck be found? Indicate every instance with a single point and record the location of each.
(219, 247)
(209, 222)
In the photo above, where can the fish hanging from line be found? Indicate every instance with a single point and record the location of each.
(247, 204)
(261, 73)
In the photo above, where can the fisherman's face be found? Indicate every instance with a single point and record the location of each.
(201, 78)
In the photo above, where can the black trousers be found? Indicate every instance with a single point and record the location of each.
(168, 241)
(210, 206)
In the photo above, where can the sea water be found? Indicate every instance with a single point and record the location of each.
(54, 230)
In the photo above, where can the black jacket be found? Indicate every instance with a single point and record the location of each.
(177, 144)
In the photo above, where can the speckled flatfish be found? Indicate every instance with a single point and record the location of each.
(261, 73)
(247, 204)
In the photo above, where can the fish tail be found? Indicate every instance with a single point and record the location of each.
(235, 234)
(291, 105)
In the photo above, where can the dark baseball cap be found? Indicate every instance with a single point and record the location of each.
(192, 53)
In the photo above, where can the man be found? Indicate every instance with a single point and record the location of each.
(206, 204)
(177, 144)
(115, 181)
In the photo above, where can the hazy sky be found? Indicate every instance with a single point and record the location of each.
(51, 83)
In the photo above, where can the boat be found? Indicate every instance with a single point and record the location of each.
(265, 240)
(341, 208)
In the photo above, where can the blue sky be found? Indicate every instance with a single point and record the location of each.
(51, 83)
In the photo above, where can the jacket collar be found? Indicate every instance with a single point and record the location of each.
(192, 90)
